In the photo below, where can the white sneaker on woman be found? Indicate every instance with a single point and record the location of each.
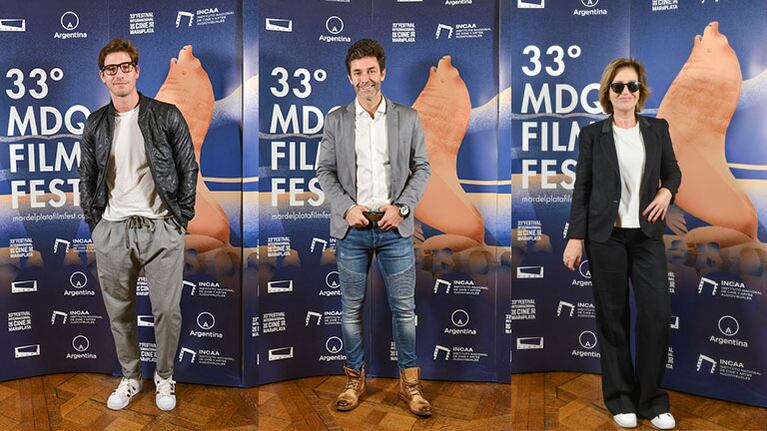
(165, 394)
(663, 421)
(626, 420)
(122, 396)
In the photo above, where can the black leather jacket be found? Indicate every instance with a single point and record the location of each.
(169, 151)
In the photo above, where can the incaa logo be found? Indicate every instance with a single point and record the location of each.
(707, 359)
(704, 282)
(439, 283)
(589, 3)
(531, 4)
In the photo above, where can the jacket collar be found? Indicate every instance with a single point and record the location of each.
(143, 103)
(607, 126)
(351, 108)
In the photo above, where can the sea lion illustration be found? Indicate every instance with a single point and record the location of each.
(188, 87)
(444, 108)
(699, 105)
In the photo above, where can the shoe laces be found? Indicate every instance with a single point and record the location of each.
(166, 387)
(353, 383)
(414, 389)
(125, 388)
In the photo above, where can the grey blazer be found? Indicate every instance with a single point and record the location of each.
(337, 165)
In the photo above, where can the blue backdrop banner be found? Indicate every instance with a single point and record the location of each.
(706, 69)
(189, 56)
(261, 291)
(441, 59)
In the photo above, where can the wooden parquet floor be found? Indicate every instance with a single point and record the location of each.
(307, 404)
(540, 401)
(78, 402)
(573, 401)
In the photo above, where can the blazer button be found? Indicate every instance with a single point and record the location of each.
(615, 201)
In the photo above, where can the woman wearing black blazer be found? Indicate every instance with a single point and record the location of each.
(626, 178)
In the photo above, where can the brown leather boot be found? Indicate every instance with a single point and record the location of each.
(355, 387)
(411, 392)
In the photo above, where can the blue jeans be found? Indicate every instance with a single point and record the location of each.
(396, 261)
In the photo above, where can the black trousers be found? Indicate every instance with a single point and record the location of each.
(630, 255)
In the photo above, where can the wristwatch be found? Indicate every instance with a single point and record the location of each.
(404, 210)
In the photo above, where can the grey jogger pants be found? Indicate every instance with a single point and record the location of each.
(122, 249)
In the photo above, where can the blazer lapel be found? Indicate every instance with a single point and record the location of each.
(348, 142)
(607, 142)
(651, 148)
(392, 135)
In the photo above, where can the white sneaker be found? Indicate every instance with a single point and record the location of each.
(663, 421)
(626, 420)
(124, 393)
(165, 394)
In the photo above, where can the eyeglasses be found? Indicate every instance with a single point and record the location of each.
(633, 86)
(111, 69)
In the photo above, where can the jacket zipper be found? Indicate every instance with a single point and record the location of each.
(103, 174)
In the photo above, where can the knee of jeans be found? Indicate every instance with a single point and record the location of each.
(401, 291)
(353, 283)
(403, 315)
(351, 314)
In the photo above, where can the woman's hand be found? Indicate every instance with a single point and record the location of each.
(658, 206)
(572, 255)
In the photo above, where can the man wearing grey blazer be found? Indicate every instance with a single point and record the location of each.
(373, 168)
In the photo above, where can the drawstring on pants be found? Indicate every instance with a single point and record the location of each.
(132, 224)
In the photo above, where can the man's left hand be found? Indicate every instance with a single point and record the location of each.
(391, 217)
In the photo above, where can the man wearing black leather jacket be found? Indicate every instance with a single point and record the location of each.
(138, 177)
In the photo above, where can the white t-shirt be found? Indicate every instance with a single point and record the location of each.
(132, 191)
(629, 146)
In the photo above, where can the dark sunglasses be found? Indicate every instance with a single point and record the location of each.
(111, 69)
(633, 86)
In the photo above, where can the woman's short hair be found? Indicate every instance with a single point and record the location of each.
(609, 74)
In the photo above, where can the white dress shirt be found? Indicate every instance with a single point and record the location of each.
(629, 147)
(372, 149)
